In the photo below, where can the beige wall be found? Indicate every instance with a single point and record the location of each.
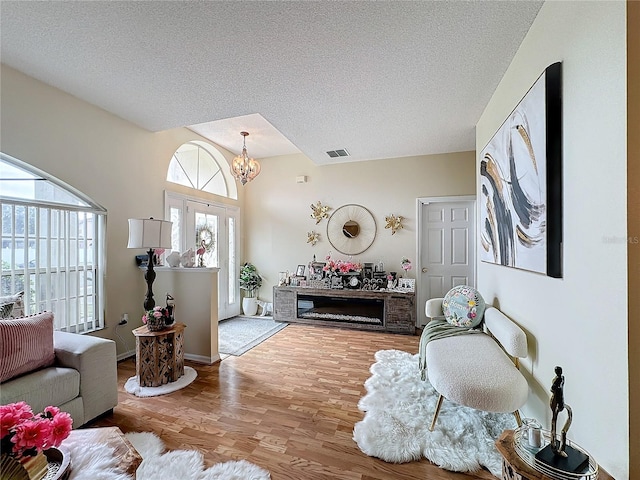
(277, 209)
(120, 166)
(633, 214)
(579, 321)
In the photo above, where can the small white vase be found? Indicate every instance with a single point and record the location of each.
(250, 306)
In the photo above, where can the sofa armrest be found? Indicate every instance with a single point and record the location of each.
(505, 331)
(433, 308)
(95, 359)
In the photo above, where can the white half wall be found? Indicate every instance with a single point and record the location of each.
(579, 321)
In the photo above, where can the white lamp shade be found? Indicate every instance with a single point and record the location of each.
(149, 233)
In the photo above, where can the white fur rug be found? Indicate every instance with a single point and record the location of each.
(95, 462)
(398, 410)
(132, 385)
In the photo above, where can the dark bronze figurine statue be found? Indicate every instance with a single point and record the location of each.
(558, 454)
(557, 405)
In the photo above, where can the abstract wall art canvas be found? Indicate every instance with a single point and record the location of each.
(521, 183)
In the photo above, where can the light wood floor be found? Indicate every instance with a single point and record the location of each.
(288, 405)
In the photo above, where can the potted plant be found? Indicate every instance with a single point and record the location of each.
(250, 282)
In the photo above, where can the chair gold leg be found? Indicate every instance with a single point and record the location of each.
(435, 414)
(518, 419)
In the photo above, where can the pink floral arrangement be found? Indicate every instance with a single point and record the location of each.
(340, 266)
(24, 434)
(406, 264)
(158, 312)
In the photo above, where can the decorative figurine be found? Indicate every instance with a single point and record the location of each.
(558, 454)
(187, 258)
(171, 308)
(173, 259)
(200, 252)
(557, 405)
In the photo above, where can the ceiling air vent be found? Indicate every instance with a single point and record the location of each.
(338, 153)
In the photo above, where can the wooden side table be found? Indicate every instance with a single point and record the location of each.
(159, 355)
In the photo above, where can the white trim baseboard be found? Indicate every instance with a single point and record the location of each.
(125, 355)
(202, 358)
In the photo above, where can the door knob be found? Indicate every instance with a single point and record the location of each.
(424, 269)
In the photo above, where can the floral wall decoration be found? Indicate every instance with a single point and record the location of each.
(394, 223)
(313, 237)
(319, 211)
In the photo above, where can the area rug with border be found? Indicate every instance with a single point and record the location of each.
(240, 334)
(97, 462)
(398, 408)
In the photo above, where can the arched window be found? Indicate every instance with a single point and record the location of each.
(52, 247)
(194, 165)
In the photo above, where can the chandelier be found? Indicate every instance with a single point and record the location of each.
(244, 168)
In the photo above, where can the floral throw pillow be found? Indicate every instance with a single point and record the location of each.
(463, 306)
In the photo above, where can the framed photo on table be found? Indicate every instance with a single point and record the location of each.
(300, 271)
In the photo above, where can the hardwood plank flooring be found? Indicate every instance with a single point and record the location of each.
(288, 405)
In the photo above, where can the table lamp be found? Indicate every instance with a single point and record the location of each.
(149, 233)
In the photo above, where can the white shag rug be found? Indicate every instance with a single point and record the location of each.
(132, 385)
(398, 410)
(95, 462)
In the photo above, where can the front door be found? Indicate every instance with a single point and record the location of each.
(221, 224)
(446, 244)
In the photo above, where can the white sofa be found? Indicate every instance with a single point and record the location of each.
(83, 381)
(474, 370)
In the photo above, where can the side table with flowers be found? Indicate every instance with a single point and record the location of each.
(159, 355)
(25, 438)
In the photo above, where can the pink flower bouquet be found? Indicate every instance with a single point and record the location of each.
(157, 318)
(24, 434)
(340, 266)
(406, 264)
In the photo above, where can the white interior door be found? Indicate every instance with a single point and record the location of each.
(446, 247)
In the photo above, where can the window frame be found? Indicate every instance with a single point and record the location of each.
(66, 233)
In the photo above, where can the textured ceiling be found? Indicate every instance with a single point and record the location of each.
(381, 79)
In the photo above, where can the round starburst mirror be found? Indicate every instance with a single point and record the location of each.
(351, 229)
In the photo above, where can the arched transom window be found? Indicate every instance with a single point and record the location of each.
(194, 165)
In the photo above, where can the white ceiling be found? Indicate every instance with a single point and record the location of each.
(380, 79)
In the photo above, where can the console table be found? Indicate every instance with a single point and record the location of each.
(380, 310)
(159, 355)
